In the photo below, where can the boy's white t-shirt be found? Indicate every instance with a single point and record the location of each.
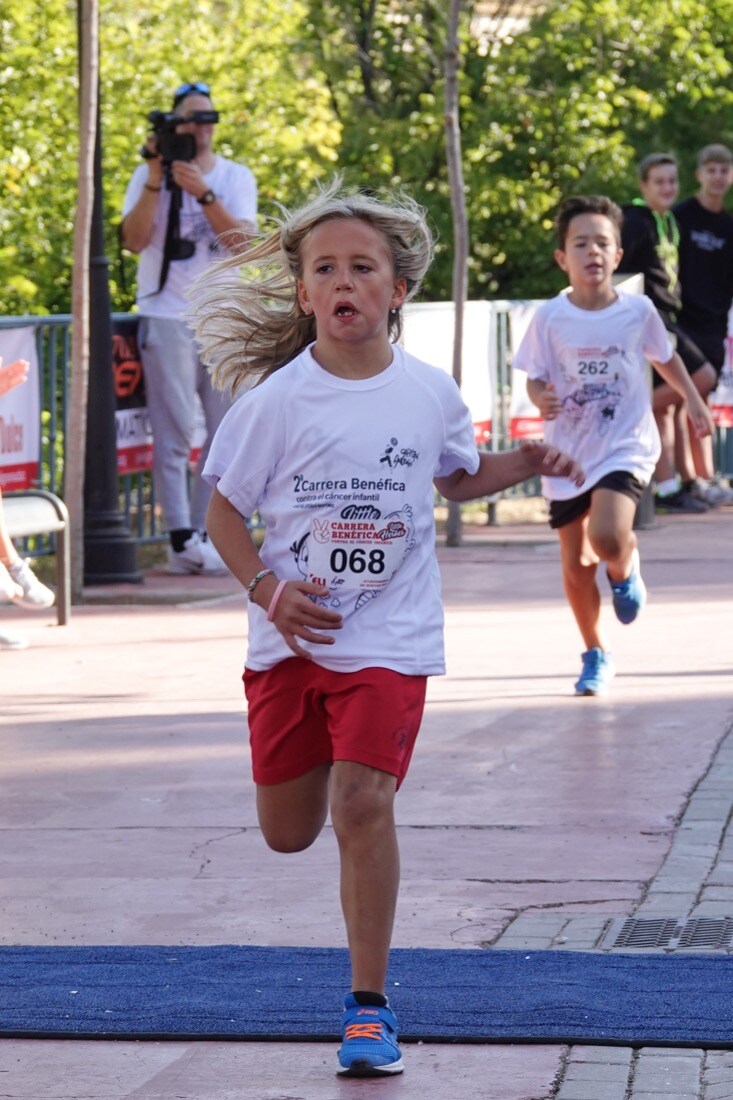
(596, 360)
(341, 473)
(235, 186)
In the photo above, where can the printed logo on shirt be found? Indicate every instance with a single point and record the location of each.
(195, 226)
(393, 457)
(706, 240)
(317, 492)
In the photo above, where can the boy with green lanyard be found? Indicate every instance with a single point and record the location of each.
(650, 241)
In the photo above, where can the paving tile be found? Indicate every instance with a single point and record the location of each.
(597, 1072)
(606, 1055)
(663, 1094)
(722, 874)
(591, 1090)
(720, 1091)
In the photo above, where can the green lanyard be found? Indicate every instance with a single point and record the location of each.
(668, 242)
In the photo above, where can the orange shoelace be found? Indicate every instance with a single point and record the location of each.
(363, 1031)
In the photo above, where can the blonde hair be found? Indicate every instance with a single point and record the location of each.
(246, 316)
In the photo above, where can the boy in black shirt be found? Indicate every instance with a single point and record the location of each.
(706, 274)
(650, 241)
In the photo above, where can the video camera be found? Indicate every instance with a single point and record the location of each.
(170, 144)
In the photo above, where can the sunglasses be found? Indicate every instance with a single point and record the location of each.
(186, 89)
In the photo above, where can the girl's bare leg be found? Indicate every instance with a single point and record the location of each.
(362, 811)
(292, 814)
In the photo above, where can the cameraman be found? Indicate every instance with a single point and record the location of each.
(215, 196)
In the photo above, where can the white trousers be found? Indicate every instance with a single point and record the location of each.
(174, 374)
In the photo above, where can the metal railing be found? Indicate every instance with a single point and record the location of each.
(53, 349)
(137, 498)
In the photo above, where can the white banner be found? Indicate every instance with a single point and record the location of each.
(428, 335)
(525, 421)
(20, 414)
(134, 434)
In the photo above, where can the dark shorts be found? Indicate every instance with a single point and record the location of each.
(691, 355)
(711, 343)
(302, 715)
(563, 512)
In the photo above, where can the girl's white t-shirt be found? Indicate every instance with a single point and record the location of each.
(596, 360)
(341, 473)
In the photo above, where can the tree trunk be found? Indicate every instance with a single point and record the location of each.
(88, 22)
(460, 220)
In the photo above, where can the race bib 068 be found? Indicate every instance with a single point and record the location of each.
(355, 554)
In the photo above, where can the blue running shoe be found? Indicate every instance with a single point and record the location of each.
(598, 671)
(629, 596)
(369, 1047)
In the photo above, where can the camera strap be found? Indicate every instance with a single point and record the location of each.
(172, 233)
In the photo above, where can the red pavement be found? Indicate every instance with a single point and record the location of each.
(128, 812)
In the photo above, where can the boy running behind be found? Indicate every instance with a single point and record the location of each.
(584, 354)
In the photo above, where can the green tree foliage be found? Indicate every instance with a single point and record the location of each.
(38, 123)
(383, 65)
(571, 105)
(276, 117)
(308, 86)
(568, 105)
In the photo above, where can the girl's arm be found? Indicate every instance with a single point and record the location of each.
(675, 375)
(500, 471)
(295, 615)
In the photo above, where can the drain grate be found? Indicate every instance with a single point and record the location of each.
(671, 933)
(714, 932)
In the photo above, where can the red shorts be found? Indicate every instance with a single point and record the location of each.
(302, 715)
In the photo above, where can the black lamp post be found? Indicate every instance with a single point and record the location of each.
(110, 552)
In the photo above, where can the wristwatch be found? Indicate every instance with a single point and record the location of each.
(207, 198)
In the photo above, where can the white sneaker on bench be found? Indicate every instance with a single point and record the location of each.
(32, 595)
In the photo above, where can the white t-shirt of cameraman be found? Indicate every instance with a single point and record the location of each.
(235, 186)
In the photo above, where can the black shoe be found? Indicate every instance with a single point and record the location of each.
(679, 503)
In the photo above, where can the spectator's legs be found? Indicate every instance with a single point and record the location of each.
(169, 365)
(214, 404)
(18, 582)
(683, 460)
(664, 402)
(8, 588)
(579, 565)
(7, 550)
(701, 450)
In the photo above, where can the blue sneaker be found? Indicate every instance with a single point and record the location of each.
(629, 596)
(369, 1047)
(598, 671)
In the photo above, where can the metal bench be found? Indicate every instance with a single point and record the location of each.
(37, 512)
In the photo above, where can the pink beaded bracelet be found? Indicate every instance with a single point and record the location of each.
(273, 602)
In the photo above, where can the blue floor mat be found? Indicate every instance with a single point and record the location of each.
(295, 993)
